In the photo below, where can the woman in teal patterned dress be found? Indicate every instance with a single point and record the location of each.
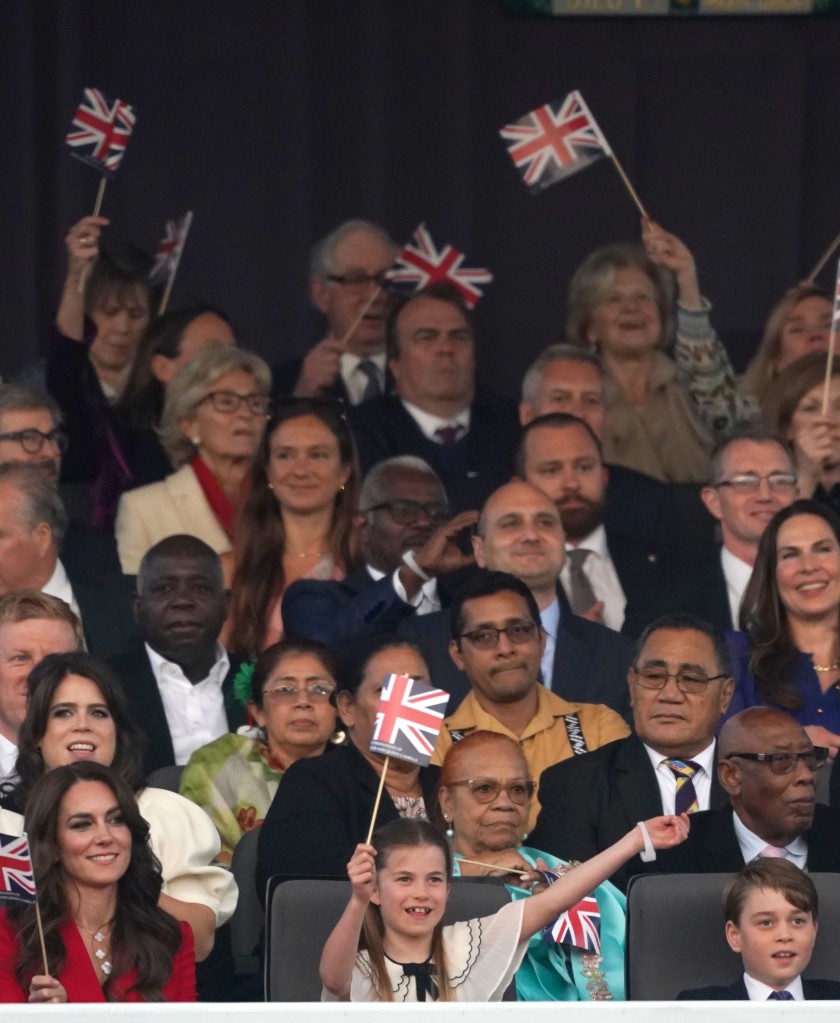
(290, 694)
(485, 797)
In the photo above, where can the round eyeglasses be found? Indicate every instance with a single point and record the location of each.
(485, 790)
(33, 440)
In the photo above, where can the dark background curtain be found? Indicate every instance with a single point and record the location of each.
(276, 119)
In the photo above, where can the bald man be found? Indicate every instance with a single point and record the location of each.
(520, 532)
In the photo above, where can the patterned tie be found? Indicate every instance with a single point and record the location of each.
(373, 388)
(774, 852)
(686, 798)
(582, 596)
(449, 434)
(780, 996)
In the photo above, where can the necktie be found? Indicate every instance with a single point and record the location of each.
(582, 596)
(372, 388)
(780, 996)
(774, 852)
(449, 434)
(686, 799)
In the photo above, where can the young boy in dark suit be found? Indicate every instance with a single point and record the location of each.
(771, 922)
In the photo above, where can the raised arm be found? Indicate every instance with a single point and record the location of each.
(340, 950)
(82, 244)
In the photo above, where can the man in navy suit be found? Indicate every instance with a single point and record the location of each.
(771, 922)
(346, 274)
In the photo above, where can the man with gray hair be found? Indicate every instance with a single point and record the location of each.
(32, 525)
(408, 539)
(346, 274)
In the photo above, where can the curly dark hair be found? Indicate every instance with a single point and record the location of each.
(144, 937)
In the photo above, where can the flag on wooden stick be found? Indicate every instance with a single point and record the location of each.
(100, 131)
(168, 254)
(409, 719)
(17, 882)
(421, 263)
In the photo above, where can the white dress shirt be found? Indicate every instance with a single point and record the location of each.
(8, 759)
(429, 423)
(355, 379)
(759, 992)
(737, 574)
(425, 600)
(752, 846)
(195, 713)
(550, 620)
(667, 780)
(603, 578)
(58, 585)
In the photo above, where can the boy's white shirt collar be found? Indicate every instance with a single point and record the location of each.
(760, 992)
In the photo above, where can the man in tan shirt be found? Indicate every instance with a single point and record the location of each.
(498, 643)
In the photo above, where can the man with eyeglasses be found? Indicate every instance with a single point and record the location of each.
(680, 685)
(408, 538)
(179, 678)
(753, 477)
(498, 643)
(768, 766)
(346, 274)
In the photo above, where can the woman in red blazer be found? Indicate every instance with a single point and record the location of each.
(98, 883)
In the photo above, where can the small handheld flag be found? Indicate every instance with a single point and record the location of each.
(408, 720)
(170, 248)
(554, 141)
(579, 926)
(17, 882)
(100, 131)
(420, 263)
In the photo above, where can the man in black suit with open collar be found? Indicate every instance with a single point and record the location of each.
(520, 532)
(179, 680)
(590, 802)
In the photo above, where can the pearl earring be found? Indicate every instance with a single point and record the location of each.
(450, 834)
(196, 441)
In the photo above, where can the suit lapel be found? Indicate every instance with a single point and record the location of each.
(188, 497)
(635, 781)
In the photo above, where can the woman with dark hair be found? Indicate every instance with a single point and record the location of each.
(297, 521)
(289, 692)
(791, 617)
(77, 711)
(324, 805)
(106, 937)
(632, 303)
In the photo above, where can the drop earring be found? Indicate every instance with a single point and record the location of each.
(450, 834)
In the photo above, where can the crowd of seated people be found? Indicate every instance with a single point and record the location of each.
(629, 587)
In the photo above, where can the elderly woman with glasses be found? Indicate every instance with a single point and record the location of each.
(788, 656)
(484, 797)
(212, 423)
(290, 694)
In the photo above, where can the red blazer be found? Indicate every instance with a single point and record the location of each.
(79, 976)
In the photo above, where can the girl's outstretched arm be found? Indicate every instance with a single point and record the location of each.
(544, 907)
(339, 955)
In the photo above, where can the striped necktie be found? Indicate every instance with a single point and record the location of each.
(686, 799)
(780, 996)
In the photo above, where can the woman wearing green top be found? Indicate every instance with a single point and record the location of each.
(289, 693)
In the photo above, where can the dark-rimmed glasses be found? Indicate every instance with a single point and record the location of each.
(359, 281)
(785, 763)
(487, 636)
(33, 440)
(750, 482)
(316, 691)
(687, 681)
(406, 513)
(485, 790)
(229, 401)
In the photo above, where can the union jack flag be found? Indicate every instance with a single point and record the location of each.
(168, 255)
(100, 131)
(420, 263)
(17, 881)
(579, 926)
(554, 141)
(408, 720)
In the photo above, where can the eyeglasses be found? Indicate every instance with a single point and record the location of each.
(750, 482)
(406, 513)
(487, 636)
(485, 790)
(229, 401)
(317, 692)
(784, 763)
(33, 440)
(687, 681)
(359, 281)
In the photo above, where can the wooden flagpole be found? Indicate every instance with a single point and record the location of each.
(41, 937)
(832, 338)
(374, 296)
(824, 258)
(494, 866)
(378, 800)
(634, 195)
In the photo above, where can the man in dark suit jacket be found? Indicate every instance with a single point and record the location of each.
(520, 532)
(771, 813)
(590, 802)
(435, 414)
(629, 575)
(346, 276)
(407, 539)
(813, 990)
(179, 679)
